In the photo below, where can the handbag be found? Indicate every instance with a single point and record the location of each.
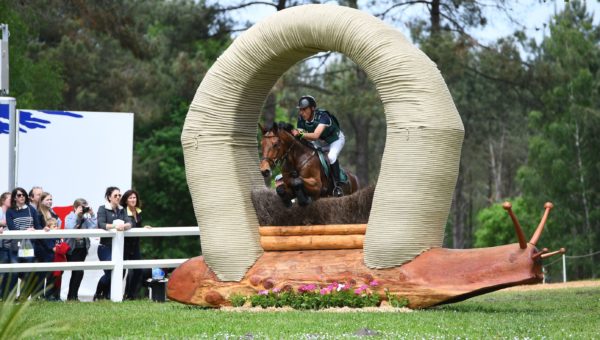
(25, 248)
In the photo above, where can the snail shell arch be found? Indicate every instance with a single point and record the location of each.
(420, 161)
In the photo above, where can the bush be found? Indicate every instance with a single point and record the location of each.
(395, 300)
(237, 300)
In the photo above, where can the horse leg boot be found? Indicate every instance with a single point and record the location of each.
(282, 193)
(337, 188)
(298, 186)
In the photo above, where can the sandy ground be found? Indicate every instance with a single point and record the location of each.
(542, 286)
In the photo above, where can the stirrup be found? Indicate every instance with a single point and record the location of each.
(338, 191)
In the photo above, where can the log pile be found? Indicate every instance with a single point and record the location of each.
(315, 237)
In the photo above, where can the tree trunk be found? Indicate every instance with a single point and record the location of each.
(496, 160)
(584, 201)
(435, 17)
(281, 5)
(360, 125)
(269, 110)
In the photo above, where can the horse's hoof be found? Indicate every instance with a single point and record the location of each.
(338, 192)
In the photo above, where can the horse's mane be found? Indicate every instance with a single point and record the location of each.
(288, 128)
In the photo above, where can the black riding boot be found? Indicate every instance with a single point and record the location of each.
(335, 170)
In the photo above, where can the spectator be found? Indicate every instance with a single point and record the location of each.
(82, 217)
(21, 216)
(45, 209)
(5, 256)
(34, 196)
(110, 216)
(44, 248)
(132, 204)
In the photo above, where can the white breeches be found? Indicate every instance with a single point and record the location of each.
(333, 150)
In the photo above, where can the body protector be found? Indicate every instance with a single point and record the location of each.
(331, 132)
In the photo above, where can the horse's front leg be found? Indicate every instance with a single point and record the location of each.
(298, 187)
(285, 193)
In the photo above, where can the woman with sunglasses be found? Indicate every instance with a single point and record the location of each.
(22, 216)
(111, 216)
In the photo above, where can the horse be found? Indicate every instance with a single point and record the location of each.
(303, 176)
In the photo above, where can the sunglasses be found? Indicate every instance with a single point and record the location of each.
(20, 195)
(117, 195)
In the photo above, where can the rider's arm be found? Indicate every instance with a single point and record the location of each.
(315, 135)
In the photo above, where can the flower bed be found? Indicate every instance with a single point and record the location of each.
(312, 296)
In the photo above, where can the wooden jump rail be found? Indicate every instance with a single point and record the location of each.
(313, 237)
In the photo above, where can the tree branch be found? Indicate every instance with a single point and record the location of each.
(232, 8)
(384, 13)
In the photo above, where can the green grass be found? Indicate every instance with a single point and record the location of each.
(556, 314)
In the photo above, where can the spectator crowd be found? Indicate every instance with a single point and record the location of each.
(22, 210)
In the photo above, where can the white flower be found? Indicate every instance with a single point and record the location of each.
(340, 287)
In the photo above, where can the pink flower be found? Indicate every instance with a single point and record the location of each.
(363, 287)
(359, 291)
(374, 283)
(324, 291)
(276, 290)
(307, 288)
(263, 292)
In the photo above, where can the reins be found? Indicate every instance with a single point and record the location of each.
(277, 161)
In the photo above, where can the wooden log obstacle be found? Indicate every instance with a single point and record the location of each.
(313, 237)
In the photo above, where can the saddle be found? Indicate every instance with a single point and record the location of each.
(325, 165)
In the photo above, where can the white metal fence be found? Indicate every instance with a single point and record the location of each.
(117, 264)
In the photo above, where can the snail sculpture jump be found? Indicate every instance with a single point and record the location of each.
(401, 246)
(435, 277)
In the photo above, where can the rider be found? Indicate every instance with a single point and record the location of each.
(320, 127)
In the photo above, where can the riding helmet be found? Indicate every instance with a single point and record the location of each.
(306, 101)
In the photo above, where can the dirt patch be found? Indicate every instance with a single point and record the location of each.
(544, 286)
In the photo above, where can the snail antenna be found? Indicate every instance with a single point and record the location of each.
(538, 254)
(508, 207)
(540, 228)
(560, 251)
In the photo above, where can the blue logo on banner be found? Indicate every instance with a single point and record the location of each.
(30, 120)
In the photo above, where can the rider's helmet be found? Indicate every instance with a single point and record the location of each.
(306, 101)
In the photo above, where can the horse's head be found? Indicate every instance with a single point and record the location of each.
(272, 149)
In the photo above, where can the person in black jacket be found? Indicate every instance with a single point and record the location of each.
(110, 216)
(133, 215)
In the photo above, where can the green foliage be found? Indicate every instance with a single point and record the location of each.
(395, 300)
(496, 228)
(237, 300)
(14, 311)
(312, 297)
(34, 79)
(563, 149)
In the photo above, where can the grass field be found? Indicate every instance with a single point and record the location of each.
(555, 314)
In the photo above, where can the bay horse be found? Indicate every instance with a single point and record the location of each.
(303, 176)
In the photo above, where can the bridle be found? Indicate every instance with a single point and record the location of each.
(274, 162)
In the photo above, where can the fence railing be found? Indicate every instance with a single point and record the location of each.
(117, 264)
